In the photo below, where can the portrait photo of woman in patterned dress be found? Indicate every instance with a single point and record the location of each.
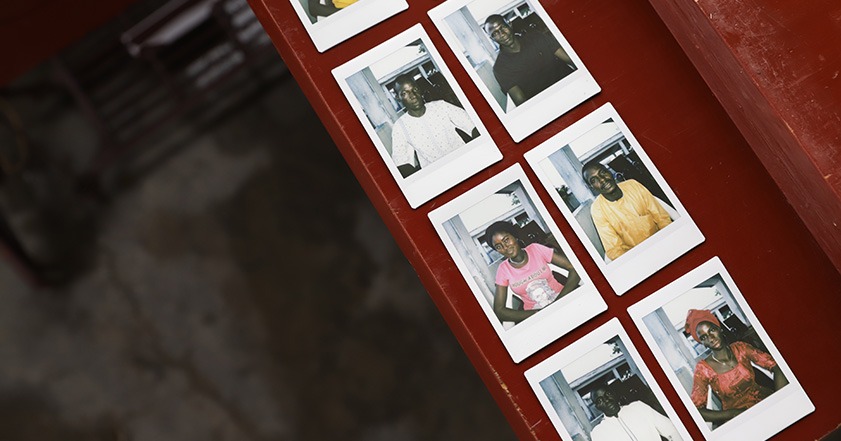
(728, 371)
(719, 358)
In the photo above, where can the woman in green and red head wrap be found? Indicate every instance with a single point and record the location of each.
(727, 370)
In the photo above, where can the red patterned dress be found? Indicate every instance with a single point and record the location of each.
(736, 388)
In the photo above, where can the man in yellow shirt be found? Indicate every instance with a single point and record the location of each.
(625, 213)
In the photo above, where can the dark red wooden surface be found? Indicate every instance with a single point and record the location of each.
(788, 280)
(775, 66)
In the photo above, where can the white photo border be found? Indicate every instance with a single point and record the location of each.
(765, 419)
(553, 321)
(581, 347)
(445, 173)
(348, 22)
(653, 254)
(546, 106)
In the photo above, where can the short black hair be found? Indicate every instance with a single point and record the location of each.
(495, 18)
(602, 387)
(404, 79)
(591, 164)
(500, 227)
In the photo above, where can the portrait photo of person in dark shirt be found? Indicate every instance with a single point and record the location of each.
(528, 62)
(515, 53)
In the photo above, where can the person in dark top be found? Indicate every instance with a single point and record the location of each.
(527, 63)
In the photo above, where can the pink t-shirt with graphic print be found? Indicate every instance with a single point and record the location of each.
(534, 283)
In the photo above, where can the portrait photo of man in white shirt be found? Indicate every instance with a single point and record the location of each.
(635, 421)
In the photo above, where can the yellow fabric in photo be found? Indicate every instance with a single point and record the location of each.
(625, 223)
(343, 3)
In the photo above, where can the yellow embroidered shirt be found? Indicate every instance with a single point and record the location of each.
(625, 223)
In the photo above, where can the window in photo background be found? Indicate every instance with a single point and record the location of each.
(723, 340)
(603, 396)
(510, 47)
(605, 149)
(412, 108)
(518, 231)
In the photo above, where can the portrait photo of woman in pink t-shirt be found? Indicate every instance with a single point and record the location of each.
(526, 272)
(516, 262)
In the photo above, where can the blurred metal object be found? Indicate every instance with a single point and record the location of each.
(186, 59)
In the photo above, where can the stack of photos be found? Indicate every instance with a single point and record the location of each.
(519, 267)
(718, 357)
(518, 59)
(330, 22)
(598, 389)
(619, 205)
(416, 115)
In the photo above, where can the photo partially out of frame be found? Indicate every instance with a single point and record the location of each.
(599, 389)
(330, 22)
(718, 357)
(417, 117)
(520, 269)
(519, 60)
(618, 203)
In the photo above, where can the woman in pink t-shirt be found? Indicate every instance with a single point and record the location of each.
(526, 272)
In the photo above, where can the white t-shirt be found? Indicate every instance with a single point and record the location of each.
(432, 135)
(635, 422)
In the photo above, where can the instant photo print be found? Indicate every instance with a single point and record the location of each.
(599, 389)
(330, 22)
(519, 60)
(519, 267)
(416, 115)
(607, 188)
(718, 357)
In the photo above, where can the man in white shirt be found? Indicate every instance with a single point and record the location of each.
(633, 422)
(427, 131)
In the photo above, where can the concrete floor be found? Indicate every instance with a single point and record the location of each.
(245, 289)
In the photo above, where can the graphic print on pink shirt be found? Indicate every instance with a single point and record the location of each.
(534, 283)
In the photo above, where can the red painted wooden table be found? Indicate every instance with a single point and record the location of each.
(748, 184)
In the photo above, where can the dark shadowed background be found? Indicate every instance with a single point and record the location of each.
(223, 278)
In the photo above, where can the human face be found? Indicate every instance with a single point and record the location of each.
(606, 402)
(410, 96)
(506, 244)
(500, 32)
(709, 335)
(600, 179)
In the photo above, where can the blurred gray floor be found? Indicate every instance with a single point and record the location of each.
(245, 289)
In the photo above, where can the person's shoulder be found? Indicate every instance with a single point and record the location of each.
(540, 250)
(402, 118)
(442, 105)
(534, 36)
(596, 206)
(536, 246)
(504, 269)
(638, 406)
(740, 346)
(630, 183)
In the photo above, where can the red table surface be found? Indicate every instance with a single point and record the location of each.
(787, 279)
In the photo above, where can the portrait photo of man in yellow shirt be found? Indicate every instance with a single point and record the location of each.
(624, 213)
